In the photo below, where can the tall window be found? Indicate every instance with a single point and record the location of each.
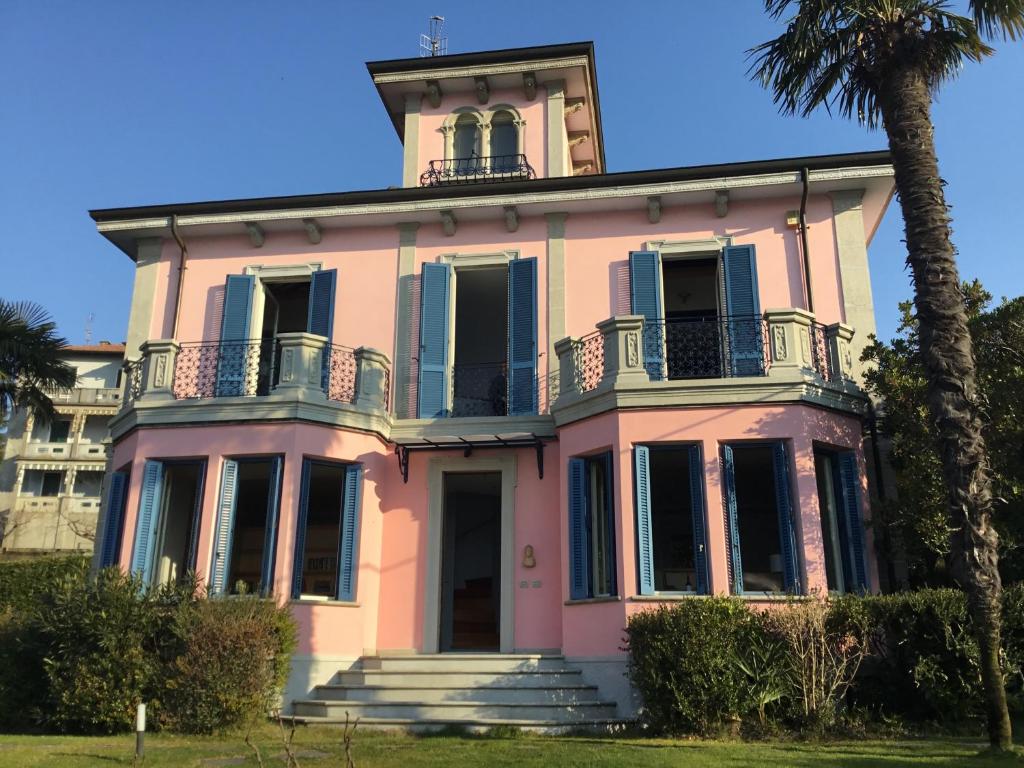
(762, 540)
(591, 528)
(504, 142)
(326, 545)
(467, 144)
(842, 528)
(669, 489)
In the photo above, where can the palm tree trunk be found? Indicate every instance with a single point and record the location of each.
(905, 101)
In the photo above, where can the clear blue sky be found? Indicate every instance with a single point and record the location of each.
(109, 103)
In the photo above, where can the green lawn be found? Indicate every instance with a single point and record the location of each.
(320, 746)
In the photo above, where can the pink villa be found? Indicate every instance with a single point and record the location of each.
(467, 426)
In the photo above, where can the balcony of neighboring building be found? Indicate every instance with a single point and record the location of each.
(68, 436)
(54, 509)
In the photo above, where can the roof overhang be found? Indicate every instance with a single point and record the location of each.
(869, 171)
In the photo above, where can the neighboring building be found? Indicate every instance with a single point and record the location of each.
(51, 471)
(568, 395)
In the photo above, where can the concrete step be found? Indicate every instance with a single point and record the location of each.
(564, 695)
(456, 710)
(459, 679)
(466, 662)
(420, 725)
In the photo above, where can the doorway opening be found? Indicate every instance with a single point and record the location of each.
(252, 549)
(178, 521)
(693, 335)
(471, 562)
(480, 365)
(285, 310)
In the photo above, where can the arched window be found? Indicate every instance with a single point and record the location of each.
(466, 148)
(504, 137)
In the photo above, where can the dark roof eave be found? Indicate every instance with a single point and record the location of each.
(449, 61)
(560, 184)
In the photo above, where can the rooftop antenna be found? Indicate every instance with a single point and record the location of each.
(88, 327)
(434, 44)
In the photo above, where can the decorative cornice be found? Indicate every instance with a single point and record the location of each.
(481, 70)
(520, 198)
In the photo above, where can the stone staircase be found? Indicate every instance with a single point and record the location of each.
(473, 690)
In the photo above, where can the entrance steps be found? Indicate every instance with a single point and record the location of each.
(475, 691)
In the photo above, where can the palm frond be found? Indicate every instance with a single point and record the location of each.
(995, 18)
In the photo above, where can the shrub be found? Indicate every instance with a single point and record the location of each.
(90, 650)
(682, 660)
(22, 582)
(821, 659)
(233, 664)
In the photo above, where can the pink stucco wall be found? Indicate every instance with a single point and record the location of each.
(595, 629)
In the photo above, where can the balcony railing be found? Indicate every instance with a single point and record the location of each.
(258, 368)
(474, 170)
(703, 348)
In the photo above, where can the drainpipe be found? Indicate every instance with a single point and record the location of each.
(803, 238)
(181, 273)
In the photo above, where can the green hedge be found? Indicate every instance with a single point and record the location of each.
(88, 650)
(22, 581)
(910, 657)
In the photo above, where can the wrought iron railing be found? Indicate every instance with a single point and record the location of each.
(473, 170)
(225, 369)
(132, 381)
(480, 389)
(588, 362)
(821, 359)
(705, 347)
(340, 367)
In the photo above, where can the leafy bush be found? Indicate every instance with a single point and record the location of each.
(233, 664)
(682, 660)
(23, 581)
(89, 650)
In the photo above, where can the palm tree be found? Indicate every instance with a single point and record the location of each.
(883, 61)
(30, 363)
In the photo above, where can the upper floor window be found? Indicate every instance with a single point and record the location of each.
(467, 137)
(504, 136)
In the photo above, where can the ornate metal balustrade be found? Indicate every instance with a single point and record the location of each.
(588, 361)
(225, 369)
(821, 360)
(474, 170)
(341, 373)
(480, 390)
(132, 381)
(705, 348)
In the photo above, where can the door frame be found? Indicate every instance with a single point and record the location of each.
(506, 465)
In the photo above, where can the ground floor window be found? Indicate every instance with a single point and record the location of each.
(326, 543)
(168, 521)
(113, 525)
(842, 527)
(671, 543)
(762, 539)
(246, 534)
(591, 527)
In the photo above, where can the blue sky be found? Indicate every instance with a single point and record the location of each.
(129, 103)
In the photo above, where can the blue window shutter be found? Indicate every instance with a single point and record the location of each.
(644, 536)
(645, 298)
(522, 336)
(784, 505)
(579, 548)
(321, 312)
(611, 563)
(234, 331)
(746, 343)
(117, 495)
(149, 520)
(197, 516)
(732, 520)
(225, 528)
(300, 532)
(348, 546)
(433, 383)
(697, 512)
(270, 531)
(849, 482)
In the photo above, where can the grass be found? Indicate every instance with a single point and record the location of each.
(321, 746)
